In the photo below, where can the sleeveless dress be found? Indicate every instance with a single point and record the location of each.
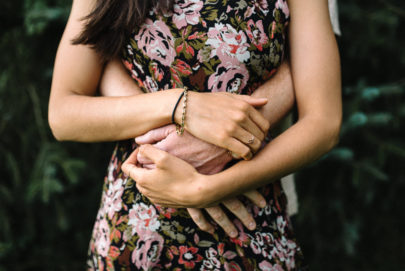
(206, 45)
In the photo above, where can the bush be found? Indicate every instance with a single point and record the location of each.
(351, 214)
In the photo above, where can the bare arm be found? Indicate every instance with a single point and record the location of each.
(279, 89)
(318, 95)
(76, 114)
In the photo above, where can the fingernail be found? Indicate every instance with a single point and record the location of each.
(263, 203)
(233, 234)
(252, 225)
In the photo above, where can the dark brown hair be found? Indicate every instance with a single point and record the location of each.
(111, 22)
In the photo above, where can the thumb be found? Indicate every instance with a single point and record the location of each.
(158, 157)
(256, 102)
(155, 135)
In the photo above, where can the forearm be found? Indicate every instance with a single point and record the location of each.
(318, 94)
(74, 111)
(279, 89)
(280, 92)
(91, 119)
(299, 145)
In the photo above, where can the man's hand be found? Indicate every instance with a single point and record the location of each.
(206, 158)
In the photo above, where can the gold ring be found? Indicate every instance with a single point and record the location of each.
(251, 140)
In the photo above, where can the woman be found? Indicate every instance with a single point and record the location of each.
(228, 37)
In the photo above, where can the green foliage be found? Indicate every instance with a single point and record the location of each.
(44, 184)
(352, 202)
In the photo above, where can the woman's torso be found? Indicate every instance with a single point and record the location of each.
(208, 46)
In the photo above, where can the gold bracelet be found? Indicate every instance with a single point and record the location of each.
(180, 128)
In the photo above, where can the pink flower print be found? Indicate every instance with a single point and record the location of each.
(283, 5)
(249, 11)
(188, 256)
(113, 164)
(149, 246)
(228, 43)
(102, 237)
(166, 211)
(232, 266)
(212, 260)
(266, 266)
(151, 84)
(281, 224)
(228, 78)
(262, 5)
(285, 250)
(242, 238)
(187, 12)
(113, 200)
(156, 41)
(143, 217)
(256, 34)
(255, 247)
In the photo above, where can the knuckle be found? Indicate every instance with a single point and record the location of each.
(218, 216)
(235, 206)
(222, 137)
(204, 226)
(240, 117)
(231, 128)
(196, 218)
(244, 106)
(162, 159)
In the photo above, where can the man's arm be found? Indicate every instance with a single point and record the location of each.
(279, 91)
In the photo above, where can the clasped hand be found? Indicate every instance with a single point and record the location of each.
(206, 158)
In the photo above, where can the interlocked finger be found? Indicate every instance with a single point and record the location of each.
(240, 211)
(238, 149)
(253, 128)
(219, 216)
(259, 120)
(255, 197)
(200, 220)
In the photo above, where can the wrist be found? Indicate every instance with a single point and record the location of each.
(178, 113)
(206, 192)
(171, 102)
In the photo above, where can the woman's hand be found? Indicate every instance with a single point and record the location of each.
(131, 166)
(172, 183)
(227, 120)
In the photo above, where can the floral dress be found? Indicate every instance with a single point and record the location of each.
(206, 45)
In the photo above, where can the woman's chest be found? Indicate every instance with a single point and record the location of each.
(209, 45)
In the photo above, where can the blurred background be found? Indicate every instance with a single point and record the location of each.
(352, 202)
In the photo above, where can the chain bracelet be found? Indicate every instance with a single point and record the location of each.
(180, 128)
